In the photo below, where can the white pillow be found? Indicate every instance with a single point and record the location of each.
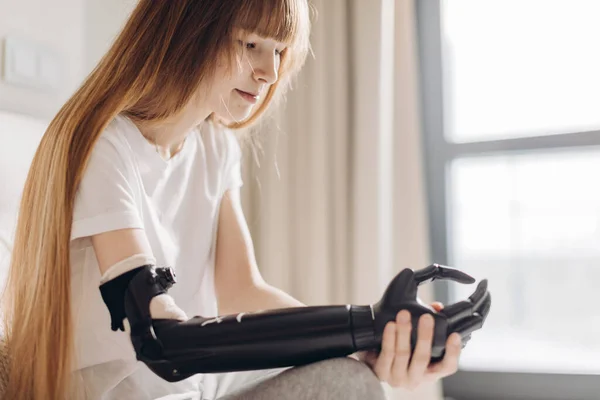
(20, 136)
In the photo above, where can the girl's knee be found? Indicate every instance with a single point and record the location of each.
(333, 379)
(348, 378)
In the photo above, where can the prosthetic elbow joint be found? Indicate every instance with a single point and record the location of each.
(128, 296)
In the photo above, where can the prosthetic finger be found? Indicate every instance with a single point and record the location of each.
(468, 325)
(465, 340)
(476, 321)
(468, 316)
(436, 271)
(463, 309)
(463, 317)
(485, 308)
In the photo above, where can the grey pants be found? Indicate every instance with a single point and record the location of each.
(337, 378)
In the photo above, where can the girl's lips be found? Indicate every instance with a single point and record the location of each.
(247, 96)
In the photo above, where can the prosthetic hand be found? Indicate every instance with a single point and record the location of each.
(175, 349)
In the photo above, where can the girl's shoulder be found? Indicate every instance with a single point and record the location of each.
(113, 148)
(120, 133)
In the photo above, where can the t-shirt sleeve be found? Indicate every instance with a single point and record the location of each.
(106, 199)
(233, 169)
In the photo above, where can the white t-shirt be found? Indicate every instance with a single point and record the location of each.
(128, 185)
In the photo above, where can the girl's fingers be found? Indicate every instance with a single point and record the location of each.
(449, 364)
(384, 362)
(403, 349)
(422, 353)
(395, 365)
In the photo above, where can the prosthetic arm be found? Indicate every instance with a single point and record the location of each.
(175, 349)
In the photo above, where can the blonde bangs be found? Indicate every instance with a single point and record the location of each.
(282, 20)
(286, 21)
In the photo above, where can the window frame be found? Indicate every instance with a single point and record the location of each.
(438, 154)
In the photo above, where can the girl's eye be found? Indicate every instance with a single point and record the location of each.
(247, 45)
(252, 46)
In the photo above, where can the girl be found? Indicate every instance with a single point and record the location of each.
(142, 162)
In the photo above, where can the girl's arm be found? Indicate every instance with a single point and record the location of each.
(239, 284)
(175, 347)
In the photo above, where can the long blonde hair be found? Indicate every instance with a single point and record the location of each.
(163, 53)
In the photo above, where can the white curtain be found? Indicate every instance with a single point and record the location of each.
(297, 200)
(337, 206)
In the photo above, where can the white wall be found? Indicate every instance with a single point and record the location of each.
(103, 21)
(57, 24)
(79, 31)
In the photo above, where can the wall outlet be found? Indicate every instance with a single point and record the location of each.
(31, 64)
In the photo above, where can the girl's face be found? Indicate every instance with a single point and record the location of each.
(233, 96)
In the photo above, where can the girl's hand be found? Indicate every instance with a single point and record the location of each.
(391, 365)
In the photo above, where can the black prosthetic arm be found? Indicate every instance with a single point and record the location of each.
(269, 339)
(175, 350)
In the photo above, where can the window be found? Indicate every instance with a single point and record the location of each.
(517, 68)
(511, 118)
(529, 223)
